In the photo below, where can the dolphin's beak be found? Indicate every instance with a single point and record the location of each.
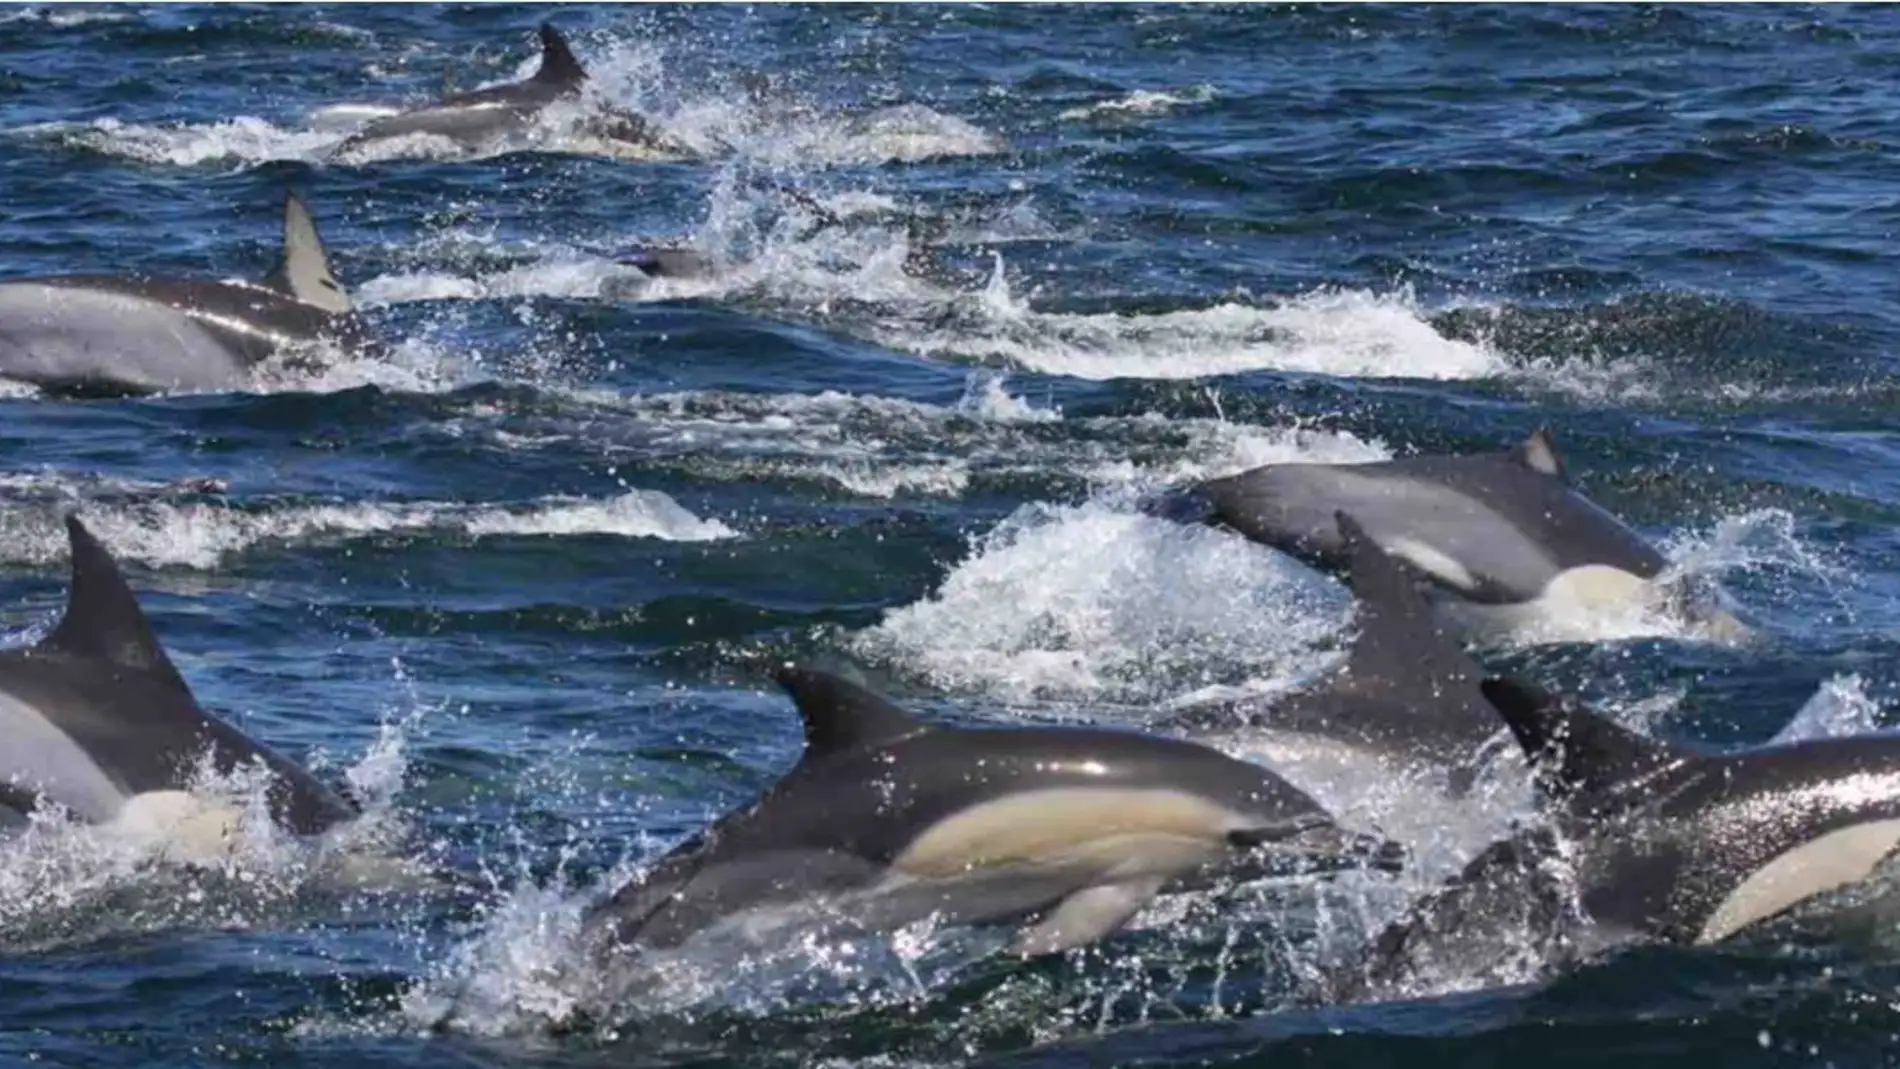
(1319, 846)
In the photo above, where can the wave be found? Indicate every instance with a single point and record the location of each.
(710, 120)
(1140, 102)
(194, 535)
(1333, 332)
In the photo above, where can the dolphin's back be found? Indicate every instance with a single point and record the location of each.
(138, 732)
(477, 118)
(469, 121)
(1487, 526)
(105, 709)
(145, 334)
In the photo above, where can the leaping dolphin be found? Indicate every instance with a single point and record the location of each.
(96, 719)
(140, 334)
(487, 119)
(1658, 840)
(896, 820)
(1502, 538)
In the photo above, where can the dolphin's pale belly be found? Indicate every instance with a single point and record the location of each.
(41, 759)
(1838, 859)
(1583, 604)
(1591, 603)
(1083, 859)
(1064, 822)
(68, 336)
(177, 825)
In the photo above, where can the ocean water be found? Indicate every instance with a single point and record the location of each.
(520, 579)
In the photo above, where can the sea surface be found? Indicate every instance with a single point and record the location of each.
(986, 276)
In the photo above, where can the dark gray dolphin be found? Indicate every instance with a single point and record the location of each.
(95, 716)
(1492, 531)
(1694, 847)
(487, 118)
(1659, 841)
(139, 334)
(1407, 692)
(895, 820)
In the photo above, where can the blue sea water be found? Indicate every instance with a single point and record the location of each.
(520, 579)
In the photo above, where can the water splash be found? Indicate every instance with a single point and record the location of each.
(197, 535)
(1839, 708)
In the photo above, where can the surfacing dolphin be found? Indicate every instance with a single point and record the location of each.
(129, 334)
(95, 718)
(892, 820)
(488, 119)
(1406, 694)
(683, 263)
(1662, 841)
(1502, 538)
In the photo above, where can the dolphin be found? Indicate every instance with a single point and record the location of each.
(894, 820)
(96, 720)
(1406, 692)
(681, 262)
(486, 118)
(1657, 840)
(1499, 538)
(1694, 847)
(128, 334)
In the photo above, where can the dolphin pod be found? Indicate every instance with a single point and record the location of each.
(130, 334)
(1061, 834)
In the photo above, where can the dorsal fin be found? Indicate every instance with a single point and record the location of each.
(840, 715)
(1401, 648)
(303, 269)
(103, 620)
(1576, 749)
(1539, 453)
(558, 65)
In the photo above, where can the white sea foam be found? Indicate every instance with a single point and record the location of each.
(628, 76)
(1140, 102)
(1840, 707)
(198, 535)
(1334, 332)
(1092, 601)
